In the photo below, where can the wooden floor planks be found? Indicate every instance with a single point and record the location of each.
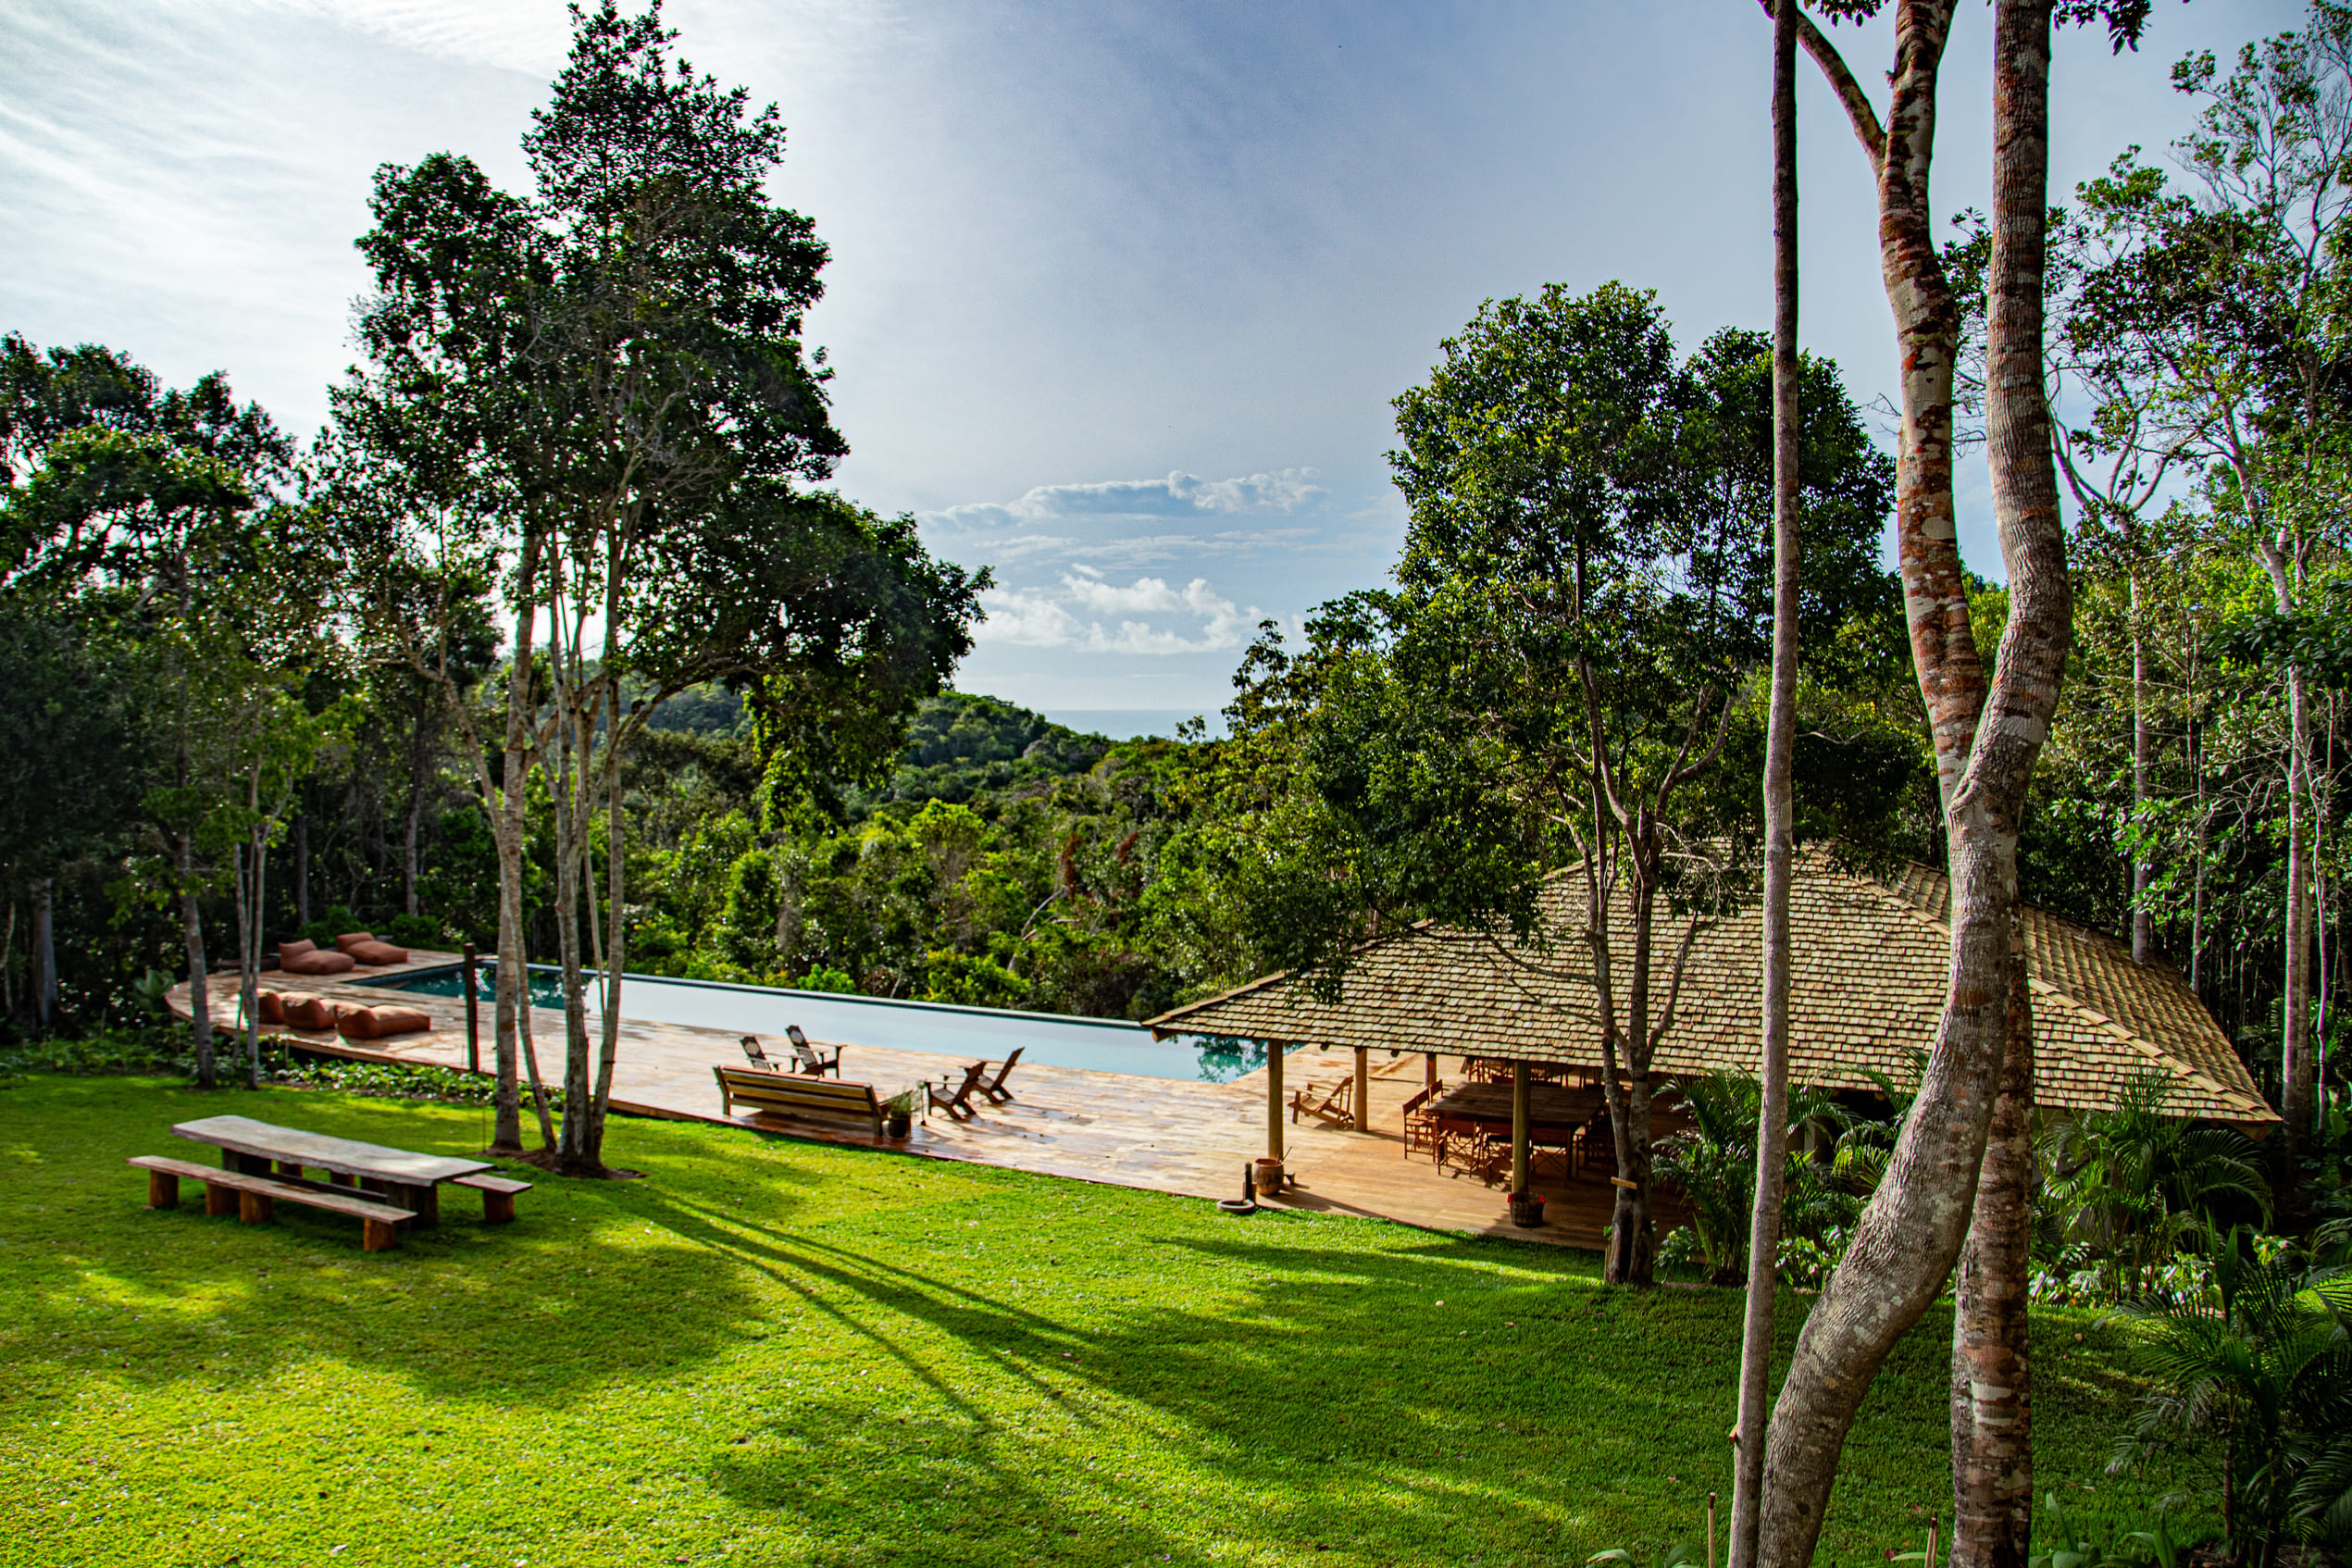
(1163, 1134)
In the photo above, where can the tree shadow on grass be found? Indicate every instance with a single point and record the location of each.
(1289, 1417)
(516, 1314)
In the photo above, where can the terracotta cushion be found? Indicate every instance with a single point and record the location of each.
(308, 1012)
(266, 1006)
(374, 1023)
(304, 958)
(364, 947)
(402, 1021)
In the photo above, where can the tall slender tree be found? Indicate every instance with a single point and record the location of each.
(1780, 813)
(1986, 735)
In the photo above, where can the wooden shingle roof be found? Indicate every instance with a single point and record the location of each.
(1872, 964)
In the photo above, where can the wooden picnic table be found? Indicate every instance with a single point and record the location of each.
(409, 1179)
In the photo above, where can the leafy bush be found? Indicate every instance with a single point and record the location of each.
(285, 1062)
(836, 982)
(108, 1050)
(413, 930)
(337, 920)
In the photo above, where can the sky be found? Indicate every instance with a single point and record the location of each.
(1119, 293)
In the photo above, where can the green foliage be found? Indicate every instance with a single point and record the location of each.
(2262, 1361)
(1836, 1154)
(2128, 1194)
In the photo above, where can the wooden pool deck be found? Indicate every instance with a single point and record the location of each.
(1166, 1134)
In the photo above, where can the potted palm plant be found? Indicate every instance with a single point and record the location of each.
(898, 1112)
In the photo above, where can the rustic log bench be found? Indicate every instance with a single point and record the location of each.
(498, 1194)
(793, 1096)
(252, 1197)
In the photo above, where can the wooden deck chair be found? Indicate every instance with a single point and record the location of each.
(813, 1062)
(759, 1058)
(958, 1105)
(994, 1088)
(1337, 1107)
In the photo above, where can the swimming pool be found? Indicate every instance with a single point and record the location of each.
(1104, 1045)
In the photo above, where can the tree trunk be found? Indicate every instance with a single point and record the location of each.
(1991, 1391)
(573, 1157)
(301, 868)
(192, 931)
(511, 1022)
(1911, 1233)
(2143, 871)
(45, 952)
(2299, 1088)
(1772, 1130)
(408, 838)
(616, 938)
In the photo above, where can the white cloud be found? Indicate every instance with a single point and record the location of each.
(1178, 496)
(1075, 616)
(526, 35)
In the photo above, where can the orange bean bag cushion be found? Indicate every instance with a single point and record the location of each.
(304, 958)
(308, 1012)
(364, 947)
(266, 1006)
(374, 1023)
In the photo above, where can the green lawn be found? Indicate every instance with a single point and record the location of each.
(780, 1352)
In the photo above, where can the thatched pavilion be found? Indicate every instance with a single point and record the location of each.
(1872, 962)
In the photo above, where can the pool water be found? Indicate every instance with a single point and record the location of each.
(1104, 1045)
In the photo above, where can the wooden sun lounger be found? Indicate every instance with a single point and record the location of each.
(1336, 1107)
(958, 1105)
(814, 1063)
(994, 1088)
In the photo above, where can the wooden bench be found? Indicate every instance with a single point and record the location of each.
(252, 1197)
(498, 1194)
(793, 1096)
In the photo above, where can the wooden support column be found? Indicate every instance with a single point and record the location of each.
(1519, 1126)
(1363, 1089)
(1274, 1099)
(1430, 1069)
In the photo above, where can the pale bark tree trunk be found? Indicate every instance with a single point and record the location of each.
(1771, 1131)
(617, 939)
(45, 952)
(1910, 1235)
(508, 825)
(2143, 745)
(1992, 1387)
(2299, 1078)
(302, 869)
(408, 838)
(192, 932)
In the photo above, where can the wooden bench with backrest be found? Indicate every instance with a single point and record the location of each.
(252, 1197)
(789, 1095)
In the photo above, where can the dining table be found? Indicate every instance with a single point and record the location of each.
(406, 1178)
(1555, 1113)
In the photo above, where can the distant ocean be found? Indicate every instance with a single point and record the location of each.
(1132, 724)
